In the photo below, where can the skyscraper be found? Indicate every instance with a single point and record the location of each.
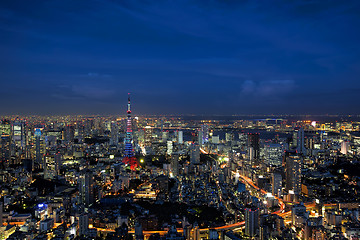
(169, 147)
(147, 136)
(180, 137)
(194, 154)
(203, 134)
(129, 157)
(174, 164)
(345, 147)
(293, 172)
(251, 221)
(114, 140)
(5, 127)
(83, 224)
(1, 214)
(18, 134)
(299, 140)
(5, 150)
(254, 143)
(39, 151)
(276, 184)
(86, 188)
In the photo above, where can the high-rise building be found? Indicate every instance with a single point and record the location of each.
(194, 154)
(39, 148)
(5, 127)
(1, 214)
(114, 131)
(345, 147)
(18, 134)
(52, 165)
(174, 164)
(180, 137)
(276, 184)
(169, 147)
(203, 134)
(299, 140)
(83, 224)
(5, 150)
(86, 188)
(229, 137)
(147, 135)
(251, 221)
(69, 133)
(293, 172)
(254, 142)
(273, 153)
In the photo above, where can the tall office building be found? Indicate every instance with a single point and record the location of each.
(1, 214)
(299, 140)
(114, 134)
(86, 188)
(345, 147)
(169, 147)
(229, 137)
(69, 133)
(174, 164)
(293, 172)
(273, 153)
(18, 134)
(194, 154)
(83, 224)
(5, 127)
(276, 184)
(39, 148)
(254, 143)
(5, 150)
(147, 135)
(52, 165)
(180, 137)
(251, 221)
(203, 134)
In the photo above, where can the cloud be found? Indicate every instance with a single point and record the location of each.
(94, 92)
(267, 88)
(90, 86)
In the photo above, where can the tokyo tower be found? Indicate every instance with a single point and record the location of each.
(129, 157)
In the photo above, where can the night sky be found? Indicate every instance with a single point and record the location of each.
(179, 57)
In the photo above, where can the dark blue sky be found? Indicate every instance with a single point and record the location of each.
(179, 57)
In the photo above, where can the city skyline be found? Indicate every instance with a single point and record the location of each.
(191, 57)
(179, 120)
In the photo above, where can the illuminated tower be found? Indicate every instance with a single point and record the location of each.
(129, 157)
(129, 151)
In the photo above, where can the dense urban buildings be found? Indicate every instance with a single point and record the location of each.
(179, 177)
(243, 121)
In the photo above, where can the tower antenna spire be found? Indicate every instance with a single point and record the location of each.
(128, 110)
(129, 156)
